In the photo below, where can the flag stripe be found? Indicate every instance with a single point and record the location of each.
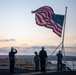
(43, 17)
(40, 22)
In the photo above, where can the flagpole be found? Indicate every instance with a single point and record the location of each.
(63, 50)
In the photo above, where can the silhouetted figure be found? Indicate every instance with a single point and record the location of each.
(43, 56)
(59, 60)
(36, 60)
(12, 59)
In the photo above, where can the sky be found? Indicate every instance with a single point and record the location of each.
(18, 27)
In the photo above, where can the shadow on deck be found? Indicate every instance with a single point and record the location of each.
(32, 72)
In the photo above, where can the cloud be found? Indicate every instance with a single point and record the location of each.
(30, 50)
(7, 40)
(75, 44)
(4, 50)
(24, 44)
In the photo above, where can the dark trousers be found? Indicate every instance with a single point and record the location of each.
(36, 66)
(42, 64)
(12, 64)
(59, 65)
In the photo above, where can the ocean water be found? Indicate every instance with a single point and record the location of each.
(71, 60)
(70, 64)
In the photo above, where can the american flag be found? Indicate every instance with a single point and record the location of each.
(45, 16)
